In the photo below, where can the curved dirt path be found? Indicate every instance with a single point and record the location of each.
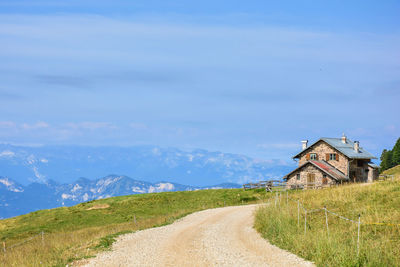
(216, 237)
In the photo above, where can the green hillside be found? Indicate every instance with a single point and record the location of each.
(378, 202)
(393, 171)
(81, 231)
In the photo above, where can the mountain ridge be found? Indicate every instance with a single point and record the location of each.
(198, 167)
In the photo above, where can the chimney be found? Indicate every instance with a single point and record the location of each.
(304, 144)
(344, 138)
(356, 146)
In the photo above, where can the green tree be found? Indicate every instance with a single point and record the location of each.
(386, 159)
(396, 153)
(383, 160)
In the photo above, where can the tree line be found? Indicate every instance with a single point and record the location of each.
(390, 158)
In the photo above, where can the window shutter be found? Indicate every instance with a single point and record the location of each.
(337, 157)
(316, 156)
(308, 156)
(327, 156)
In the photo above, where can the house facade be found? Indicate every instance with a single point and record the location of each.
(330, 161)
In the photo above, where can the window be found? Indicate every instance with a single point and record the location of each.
(332, 156)
(298, 176)
(313, 156)
(360, 163)
(324, 179)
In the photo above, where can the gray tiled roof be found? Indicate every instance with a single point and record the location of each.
(346, 148)
(372, 165)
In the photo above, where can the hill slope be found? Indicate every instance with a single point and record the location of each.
(393, 171)
(81, 230)
(378, 205)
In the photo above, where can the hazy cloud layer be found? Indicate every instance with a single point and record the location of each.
(234, 81)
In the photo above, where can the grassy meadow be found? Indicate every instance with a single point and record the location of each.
(81, 231)
(377, 202)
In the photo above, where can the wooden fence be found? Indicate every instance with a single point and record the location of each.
(385, 177)
(278, 185)
(272, 185)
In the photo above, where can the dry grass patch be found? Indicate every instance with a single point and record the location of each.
(97, 207)
(379, 244)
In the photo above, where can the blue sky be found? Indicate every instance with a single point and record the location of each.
(250, 77)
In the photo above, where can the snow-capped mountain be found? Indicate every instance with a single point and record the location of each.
(16, 199)
(65, 164)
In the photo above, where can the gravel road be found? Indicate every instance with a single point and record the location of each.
(215, 237)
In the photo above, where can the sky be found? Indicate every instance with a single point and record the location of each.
(247, 77)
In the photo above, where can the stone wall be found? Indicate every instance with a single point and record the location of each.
(308, 168)
(321, 149)
(372, 174)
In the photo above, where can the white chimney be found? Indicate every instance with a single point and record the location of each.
(356, 146)
(344, 138)
(304, 144)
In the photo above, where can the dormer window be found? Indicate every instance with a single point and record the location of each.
(313, 156)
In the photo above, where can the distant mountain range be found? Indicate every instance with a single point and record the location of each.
(65, 164)
(33, 178)
(17, 199)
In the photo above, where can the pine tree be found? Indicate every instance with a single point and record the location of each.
(389, 161)
(386, 160)
(396, 153)
(383, 160)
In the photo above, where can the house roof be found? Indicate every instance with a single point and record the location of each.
(372, 165)
(325, 167)
(346, 148)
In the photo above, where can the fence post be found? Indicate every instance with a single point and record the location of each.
(4, 246)
(42, 233)
(287, 197)
(280, 198)
(298, 213)
(326, 221)
(134, 218)
(358, 235)
(276, 197)
(305, 221)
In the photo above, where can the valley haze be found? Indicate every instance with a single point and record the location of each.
(43, 177)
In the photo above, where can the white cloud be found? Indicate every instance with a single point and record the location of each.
(37, 125)
(7, 153)
(90, 125)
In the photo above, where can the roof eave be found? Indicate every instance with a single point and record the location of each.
(324, 171)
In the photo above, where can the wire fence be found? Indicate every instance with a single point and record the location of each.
(5, 247)
(300, 206)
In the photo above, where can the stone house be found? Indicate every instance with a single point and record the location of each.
(330, 161)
